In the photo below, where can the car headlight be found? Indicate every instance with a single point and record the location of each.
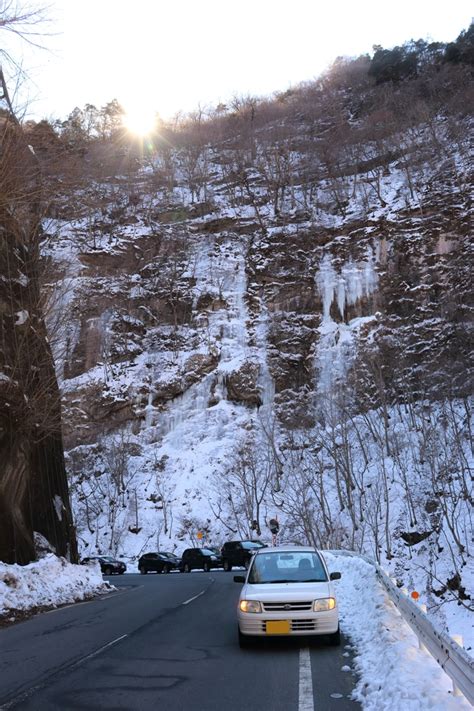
(250, 606)
(325, 603)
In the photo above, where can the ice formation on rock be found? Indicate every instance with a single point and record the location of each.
(336, 347)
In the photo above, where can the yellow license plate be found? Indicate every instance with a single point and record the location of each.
(278, 627)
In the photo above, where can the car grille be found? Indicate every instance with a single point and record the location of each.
(287, 606)
(298, 625)
(303, 625)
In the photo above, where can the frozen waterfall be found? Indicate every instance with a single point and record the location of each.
(336, 348)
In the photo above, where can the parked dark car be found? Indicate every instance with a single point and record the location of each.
(157, 563)
(199, 558)
(172, 557)
(239, 553)
(108, 565)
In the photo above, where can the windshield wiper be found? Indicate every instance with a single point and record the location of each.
(313, 580)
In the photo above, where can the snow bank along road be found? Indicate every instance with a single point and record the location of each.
(165, 642)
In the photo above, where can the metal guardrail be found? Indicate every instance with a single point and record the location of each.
(455, 661)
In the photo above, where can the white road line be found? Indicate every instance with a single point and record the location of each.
(305, 692)
(98, 598)
(33, 689)
(193, 598)
(97, 651)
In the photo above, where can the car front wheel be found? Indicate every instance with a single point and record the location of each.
(206, 567)
(107, 571)
(227, 566)
(142, 570)
(186, 568)
(166, 569)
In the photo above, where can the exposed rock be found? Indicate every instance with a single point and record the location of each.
(167, 390)
(210, 302)
(194, 369)
(411, 538)
(92, 411)
(199, 365)
(218, 224)
(242, 384)
(432, 505)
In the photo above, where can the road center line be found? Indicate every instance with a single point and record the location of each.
(193, 598)
(97, 651)
(305, 692)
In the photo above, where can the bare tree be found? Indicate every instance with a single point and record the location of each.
(238, 499)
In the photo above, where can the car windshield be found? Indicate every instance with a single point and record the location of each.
(108, 558)
(207, 551)
(252, 544)
(287, 567)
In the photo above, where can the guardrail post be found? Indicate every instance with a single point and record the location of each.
(424, 609)
(457, 638)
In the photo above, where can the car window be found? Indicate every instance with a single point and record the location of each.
(298, 567)
(248, 545)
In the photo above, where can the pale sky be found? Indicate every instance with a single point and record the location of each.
(172, 55)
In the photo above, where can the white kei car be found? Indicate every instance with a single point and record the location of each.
(287, 591)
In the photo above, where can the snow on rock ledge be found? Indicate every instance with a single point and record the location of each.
(48, 582)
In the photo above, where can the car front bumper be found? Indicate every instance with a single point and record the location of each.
(300, 623)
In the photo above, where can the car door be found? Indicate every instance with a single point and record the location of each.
(152, 562)
(187, 559)
(231, 553)
(239, 554)
(197, 558)
(163, 563)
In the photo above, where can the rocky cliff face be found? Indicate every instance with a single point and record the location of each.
(276, 317)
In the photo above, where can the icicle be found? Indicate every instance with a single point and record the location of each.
(326, 281)
(337, 342)
(341, 295)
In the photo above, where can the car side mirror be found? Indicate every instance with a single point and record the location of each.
(335, 576)
(239, 578)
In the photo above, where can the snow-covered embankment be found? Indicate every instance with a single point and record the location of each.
(394, 674)
(48, 582)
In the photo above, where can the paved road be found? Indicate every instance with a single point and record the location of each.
(164, 642)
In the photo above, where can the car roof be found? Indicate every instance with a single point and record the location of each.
(287, 549)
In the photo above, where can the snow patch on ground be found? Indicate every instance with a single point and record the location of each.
(394, 674)
(48, 582)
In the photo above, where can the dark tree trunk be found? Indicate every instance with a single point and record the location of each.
(33, 484)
